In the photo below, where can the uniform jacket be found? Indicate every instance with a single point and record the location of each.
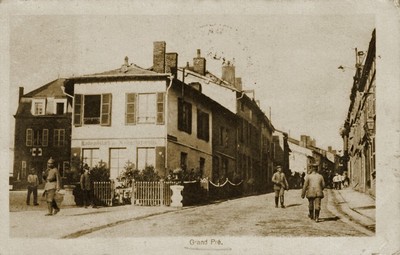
(85, 181)
(279, 180)
(313, 186)
(53, 179)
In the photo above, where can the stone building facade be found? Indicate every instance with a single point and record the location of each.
(359, 129)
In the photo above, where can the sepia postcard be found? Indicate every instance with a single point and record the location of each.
(200, 127)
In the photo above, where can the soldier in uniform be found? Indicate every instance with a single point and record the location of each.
(313, 189)
(280, 185)
(52, 178)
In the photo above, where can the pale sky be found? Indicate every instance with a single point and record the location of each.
(291, 61)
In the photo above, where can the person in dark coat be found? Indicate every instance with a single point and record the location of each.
(313, 189)
(86, 187)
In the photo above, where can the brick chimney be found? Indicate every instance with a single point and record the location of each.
(228, 73)
(199, 64)
(171, 63)
(20, 93)
(159, 57)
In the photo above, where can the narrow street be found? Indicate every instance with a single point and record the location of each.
(249, 216)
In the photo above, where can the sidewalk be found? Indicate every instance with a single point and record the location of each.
(30, 222)
(360, 207)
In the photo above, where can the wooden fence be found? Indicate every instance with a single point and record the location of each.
(103, 193)
(152, 193)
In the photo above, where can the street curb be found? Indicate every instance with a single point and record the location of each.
(339, 207)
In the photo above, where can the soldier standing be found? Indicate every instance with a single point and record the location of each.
(52, 178)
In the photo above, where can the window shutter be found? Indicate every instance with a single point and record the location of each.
(130, 114)
(62, 137)
(78, 110)
(29, 136)
(105, 110)
(180, 114)
(45, 137)
(160, 108)
(189, 107)
(207, 127)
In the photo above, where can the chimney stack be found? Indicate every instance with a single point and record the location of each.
(20, 93)
(228, 73)
(238, 83)
(199, 64)
(159, 57)
(171, 63)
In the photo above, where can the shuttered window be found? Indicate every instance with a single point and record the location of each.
(160, 108)
(106, 109)
(203, 125)
(78, 110)
(184, 116)
(29, 137)
(45, 137)
(130, 111)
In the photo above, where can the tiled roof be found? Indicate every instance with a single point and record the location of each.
(130, 69)
(51, 89)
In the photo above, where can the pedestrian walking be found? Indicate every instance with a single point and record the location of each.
(86, 184)
(33, 182)
(280, 185)
(53, 183)
(313, 189)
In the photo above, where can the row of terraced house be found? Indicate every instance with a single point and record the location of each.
(166, 116)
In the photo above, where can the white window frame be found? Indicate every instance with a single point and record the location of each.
(88, 157)
(117, 163)
(41, 101)
(61, 100)
(57, 141)
(147, 161)
(151, 108)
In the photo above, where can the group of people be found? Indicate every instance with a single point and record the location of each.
(313, 188)
(340, 181)
(52, 179)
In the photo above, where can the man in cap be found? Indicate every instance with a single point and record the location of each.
(313, 189)
(52, 178)
(280, 185)
(86, 187)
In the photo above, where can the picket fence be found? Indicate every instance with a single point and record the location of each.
(152, 193)
(103, 193)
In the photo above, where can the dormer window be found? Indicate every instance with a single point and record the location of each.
(60, 106)
(38, 106)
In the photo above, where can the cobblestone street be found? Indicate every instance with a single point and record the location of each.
(249, 216)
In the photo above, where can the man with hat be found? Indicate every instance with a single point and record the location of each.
(52, 178)
(280, 185)
(86, 184)
(313, 189)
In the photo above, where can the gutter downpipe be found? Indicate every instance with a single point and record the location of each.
(68, 95)
(171, 77)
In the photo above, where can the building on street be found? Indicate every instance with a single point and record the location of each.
(359, 130)
(42, 130)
